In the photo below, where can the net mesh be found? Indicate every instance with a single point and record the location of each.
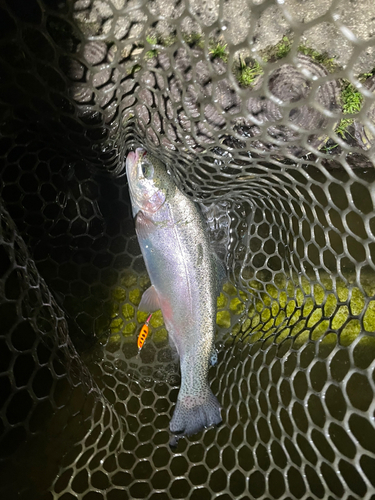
(264, 113)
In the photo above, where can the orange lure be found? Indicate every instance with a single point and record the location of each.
(143, 333)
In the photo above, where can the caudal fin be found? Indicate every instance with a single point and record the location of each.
(194, 413)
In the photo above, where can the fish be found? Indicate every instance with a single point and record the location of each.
(185, 280)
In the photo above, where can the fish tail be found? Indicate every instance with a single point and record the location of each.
(194, 413)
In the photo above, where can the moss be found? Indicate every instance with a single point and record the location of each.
(300, 297)
(272, 290)
(283, 47)
(265, 316)
(255, 321)
(168, 41)
(119, 294)
(275, 308)
(322, 58)
(308, 307)
(320, 330)
(236, 306)
(305, 315)
(128, 311)
(133, 70)
(278, 51)
(340, 317)
(350, 332)
(223, 319)
(128, 280)
(301, 312)
(248, 74)
(218, 50)
(281, 336)
(230, 289)
(129, 329)
(259, 306)
(315, 318)
(269, 327)
(362, 77)
(280, 318)
(290, 308)
(343, 126)
(351, 102)
(116, 325)
(236, 330)
(116, 337)
(295, 317)
(330, 305)
(255, 337)
(135, 296)
(329, 339)
(246, 325)
(369, 317)
(319, 294)
(151, 40)
(142, 316)
(342, 292)
(290, 289)
(301, 338)
(283, 299)
(194, 40)
(221, 301)
(351, 98)
(157, 319)
(160, 335)
(357, 302)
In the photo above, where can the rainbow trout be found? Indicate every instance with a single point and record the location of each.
(185, 284)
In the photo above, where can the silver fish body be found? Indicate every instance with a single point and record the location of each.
(183, 273)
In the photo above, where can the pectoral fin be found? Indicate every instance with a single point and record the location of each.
(150, 300)
(143, 225)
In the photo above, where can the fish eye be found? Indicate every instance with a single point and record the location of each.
(147, 170)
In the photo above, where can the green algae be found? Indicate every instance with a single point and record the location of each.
(308, 313)
(128, 311)
(281, 49)
(329, 312)
(129, 329)
(135, 296)
(223, 319)
(221, 301)
(369, 317)
(236, 306)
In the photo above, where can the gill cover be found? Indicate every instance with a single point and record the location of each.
(145, 182)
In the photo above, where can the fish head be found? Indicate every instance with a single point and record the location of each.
(149, 181)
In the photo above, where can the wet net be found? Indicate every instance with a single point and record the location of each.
(264, 113)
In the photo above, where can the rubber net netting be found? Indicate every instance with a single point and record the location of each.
(264, 113)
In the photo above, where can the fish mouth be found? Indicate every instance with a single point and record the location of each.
(132, 159)
(131, 166)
